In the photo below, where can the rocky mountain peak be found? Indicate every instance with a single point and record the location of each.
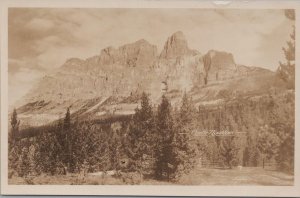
(178, 35)
(176, 45)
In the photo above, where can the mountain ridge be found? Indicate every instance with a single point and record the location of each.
(114, 79)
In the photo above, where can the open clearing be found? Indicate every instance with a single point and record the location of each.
(200, 176)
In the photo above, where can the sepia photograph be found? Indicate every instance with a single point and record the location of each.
(150, 96)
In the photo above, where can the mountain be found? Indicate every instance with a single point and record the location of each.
(111, 83)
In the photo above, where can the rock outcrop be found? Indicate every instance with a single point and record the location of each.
(176, 46)
(141, 53)
(219, 66)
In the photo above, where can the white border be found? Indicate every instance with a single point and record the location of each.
(175, 190)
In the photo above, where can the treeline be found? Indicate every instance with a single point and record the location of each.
(163, 142)
(155, 143)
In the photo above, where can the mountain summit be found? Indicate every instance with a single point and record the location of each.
(175, 46)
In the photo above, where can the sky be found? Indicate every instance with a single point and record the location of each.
(42, 39)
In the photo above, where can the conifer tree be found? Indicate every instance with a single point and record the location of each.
(14, 147)
(67, 120)
(60, 137)
(24, 168)
(47, 153)
(184, 142)
(228, 150)
(67, 146)
(287, 70)
(141, 136)
(268, 143)
(251, 153)
(14, 125)
(165, 164)
(14, 154)
(286, 147)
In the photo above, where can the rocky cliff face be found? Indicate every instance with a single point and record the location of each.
(219, 66)
(112, 81)
(140, 53)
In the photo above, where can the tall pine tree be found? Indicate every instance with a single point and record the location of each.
(68, 141)
(165, 164)
(14, 148)
(286, 70)
(14, 125)
(184, 141)
(141, 137)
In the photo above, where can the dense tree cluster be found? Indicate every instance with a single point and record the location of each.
(149, 143)
(263, 130)
(163, 142)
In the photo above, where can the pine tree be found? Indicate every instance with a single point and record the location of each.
(14, 125)
(251, 153)
(53, 154)
(165, 164)
(14, 148)
(286, 148)
(67, 120)
(287, 70)
(24, 168)
(267, 143)
(24, 164)
(141, 137)
(67, 145)
(14, 153)
(184, 142)
(47, 153)
(228, 150)
(60, 138)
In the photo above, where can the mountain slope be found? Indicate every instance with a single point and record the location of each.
(111, 82)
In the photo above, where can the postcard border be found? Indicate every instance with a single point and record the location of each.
(175, 190)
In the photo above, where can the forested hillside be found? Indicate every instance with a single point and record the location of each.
(162, 142)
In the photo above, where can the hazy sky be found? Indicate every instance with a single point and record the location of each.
(42, 39)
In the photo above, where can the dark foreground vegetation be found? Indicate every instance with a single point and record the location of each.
(162, 143)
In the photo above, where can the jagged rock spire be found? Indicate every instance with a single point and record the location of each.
(175, 46)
